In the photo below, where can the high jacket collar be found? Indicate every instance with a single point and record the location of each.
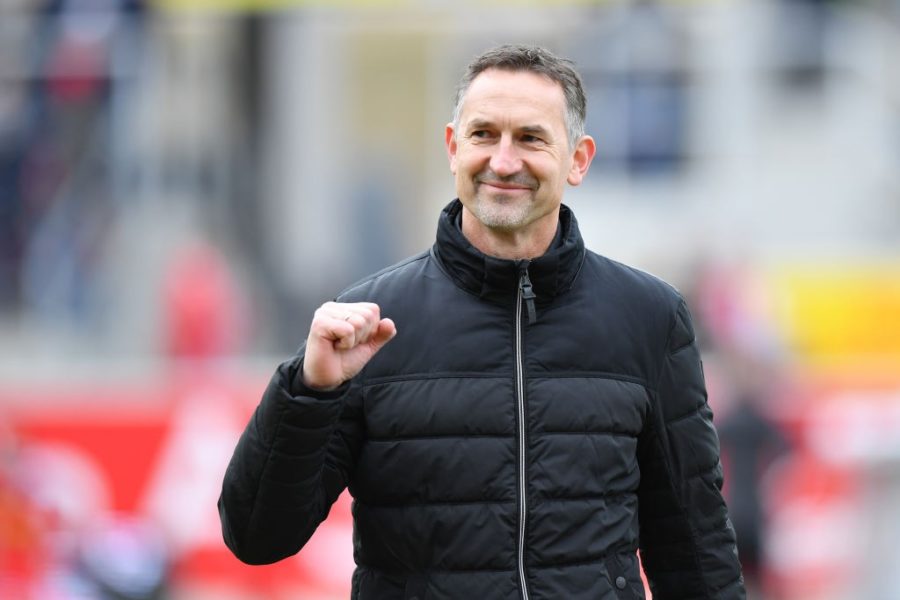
(497, 279)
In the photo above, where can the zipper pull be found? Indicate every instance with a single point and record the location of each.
(527, 292)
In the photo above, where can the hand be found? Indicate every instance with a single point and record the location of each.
(343, 337)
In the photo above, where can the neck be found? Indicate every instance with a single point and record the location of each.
(531, 241)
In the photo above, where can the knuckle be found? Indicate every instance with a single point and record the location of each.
(372, 310)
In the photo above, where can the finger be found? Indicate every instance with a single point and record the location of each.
(339, 310)
(362, 316)
(368, 330)
(346, 333)
(326, 326)
(362, 330)
(384, 333)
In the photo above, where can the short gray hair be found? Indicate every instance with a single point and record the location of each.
(533, 59)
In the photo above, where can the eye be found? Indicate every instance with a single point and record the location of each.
(480, 134)
(531, 139)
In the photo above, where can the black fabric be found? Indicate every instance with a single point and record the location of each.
(496, 279)
(620, 451)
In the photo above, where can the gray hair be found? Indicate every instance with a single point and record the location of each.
(533, 59)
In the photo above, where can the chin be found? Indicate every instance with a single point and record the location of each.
(501, 219)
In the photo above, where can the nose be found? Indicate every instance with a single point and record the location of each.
(505, 160)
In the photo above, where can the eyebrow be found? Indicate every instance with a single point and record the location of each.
(478, 124)
(538, 130)
(535, 130)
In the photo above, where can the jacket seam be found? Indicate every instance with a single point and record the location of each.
(683, 347)
(730, 583)
(701, 473)
(427, 376)
(683, 417)
(589, 561)
(403, 572)
(439, 436)
(480, 375)
(437, 503)
(595, 375)
(609, 496)
(623, 434)
(585, 497)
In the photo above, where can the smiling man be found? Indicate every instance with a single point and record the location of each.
(514, 415)
(512, 160)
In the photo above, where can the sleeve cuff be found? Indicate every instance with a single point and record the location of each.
(299, 388)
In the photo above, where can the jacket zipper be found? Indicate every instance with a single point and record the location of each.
(525, 295)
(526, 292)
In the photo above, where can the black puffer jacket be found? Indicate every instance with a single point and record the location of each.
(492, 453)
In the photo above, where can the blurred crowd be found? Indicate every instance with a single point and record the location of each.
(181, 186)
(60, 62)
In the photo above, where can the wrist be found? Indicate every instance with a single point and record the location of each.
(301, 385)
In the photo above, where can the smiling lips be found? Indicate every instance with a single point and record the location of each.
(512, 183)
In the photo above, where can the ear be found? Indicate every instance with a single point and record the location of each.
(581, 159)
(450, 142)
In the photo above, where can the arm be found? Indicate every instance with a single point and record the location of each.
(687, 541)
(296, 454)
(290, 464)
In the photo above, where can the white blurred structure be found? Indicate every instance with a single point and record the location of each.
(307, 146)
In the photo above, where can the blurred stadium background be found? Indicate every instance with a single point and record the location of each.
(182, 182)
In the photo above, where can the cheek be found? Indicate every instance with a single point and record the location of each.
(466, 166)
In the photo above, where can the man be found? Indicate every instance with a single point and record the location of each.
(530, 414)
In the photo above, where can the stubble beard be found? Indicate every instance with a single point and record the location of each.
(504, 214)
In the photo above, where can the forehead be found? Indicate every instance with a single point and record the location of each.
(497, 93)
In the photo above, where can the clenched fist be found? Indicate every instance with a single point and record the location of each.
(343, 337)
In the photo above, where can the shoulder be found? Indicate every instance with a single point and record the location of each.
(631, 283)
(392, 278)
(651, 308)
(658, 303)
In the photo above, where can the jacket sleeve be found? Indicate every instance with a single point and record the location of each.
(687, 542)
(291, 463)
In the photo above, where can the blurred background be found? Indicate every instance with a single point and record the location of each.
(182, 182)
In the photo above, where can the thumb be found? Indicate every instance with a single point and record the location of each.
(385, 332)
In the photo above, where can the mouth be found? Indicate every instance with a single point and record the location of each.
(505, 186)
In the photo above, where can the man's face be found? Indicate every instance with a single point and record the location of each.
(510, 156)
